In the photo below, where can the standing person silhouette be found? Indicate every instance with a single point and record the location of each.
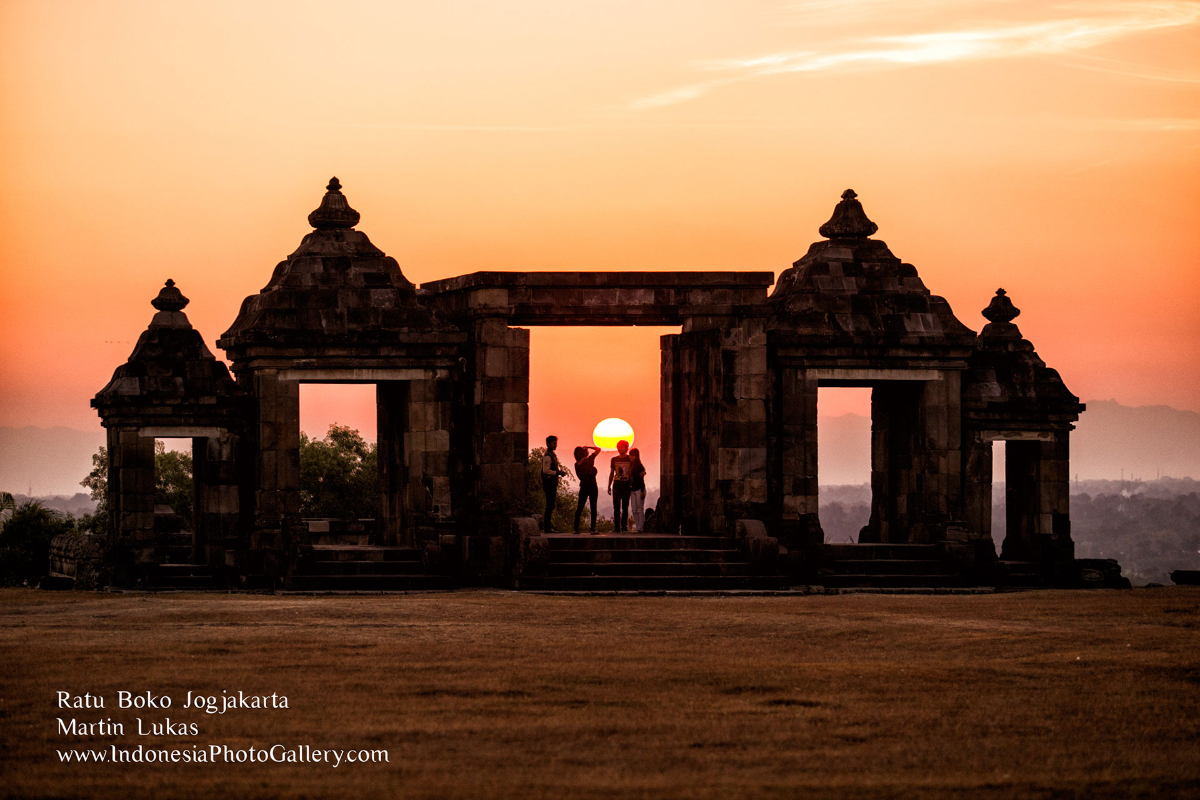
(589, 490)
(551, 472)
(620, 476)
(637, 491)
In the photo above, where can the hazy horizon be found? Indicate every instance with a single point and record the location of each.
(1124, 442)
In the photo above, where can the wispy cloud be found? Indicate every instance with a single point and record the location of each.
(1107, 22)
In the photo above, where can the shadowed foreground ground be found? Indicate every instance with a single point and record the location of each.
(490, 694)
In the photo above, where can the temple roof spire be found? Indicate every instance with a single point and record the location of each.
(334, 211)
(169, 298)
(1001, 308)
(170, 304)
(849, 221)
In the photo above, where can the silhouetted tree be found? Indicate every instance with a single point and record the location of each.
(173, 485)
(339, 475)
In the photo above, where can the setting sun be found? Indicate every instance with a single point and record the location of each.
(610, 431)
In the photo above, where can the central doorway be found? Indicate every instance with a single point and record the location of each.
(579, 376)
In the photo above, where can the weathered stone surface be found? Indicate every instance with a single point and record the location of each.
(336, 290)
(600, 298)
(79, 558)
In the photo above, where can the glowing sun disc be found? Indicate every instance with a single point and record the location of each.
(610, 431)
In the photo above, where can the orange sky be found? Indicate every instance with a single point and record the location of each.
(1052, 149)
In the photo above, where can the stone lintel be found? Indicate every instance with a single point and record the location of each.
(327, 375)
(1017, 436)
(850, 377)
(182, 432)
(601, 298)
(336, 363)
(601, 280)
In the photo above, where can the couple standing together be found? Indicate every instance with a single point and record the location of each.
(626, 484)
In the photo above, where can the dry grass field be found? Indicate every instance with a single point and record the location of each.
(492, 694)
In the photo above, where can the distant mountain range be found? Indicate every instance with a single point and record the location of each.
(1111, 442)
(46, 461)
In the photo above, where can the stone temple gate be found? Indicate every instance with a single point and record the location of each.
(450, 363)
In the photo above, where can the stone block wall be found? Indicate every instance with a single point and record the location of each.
(714, 428)
(498, 372)
(415, 457)
(916, 459)
(217, 504)
(277, 491)
(276, 480)
(131, 503)
(794, 455)
(1037, 500)
(977, 483)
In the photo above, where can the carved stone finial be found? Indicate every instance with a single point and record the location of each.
(849, 221)
(169, 298)
(334, 212)
(1001, 308)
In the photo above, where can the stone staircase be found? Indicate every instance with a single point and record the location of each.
(346, 562)
(175, 570)
(633, 561)
(885, 566)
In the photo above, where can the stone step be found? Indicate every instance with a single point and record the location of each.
(655, 554)
(173, 555)
(357, 539)
(883, 580)
(884, 566)
(608, 583)
(338, 552)
(661, 569)
(636, 541)
(359, 567)
(365, 583)
(871, 552)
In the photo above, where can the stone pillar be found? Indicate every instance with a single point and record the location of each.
(977, 484)
(796, 423)
(1037, 499)
(916, 460)
(278, 492)
(414, 457)
(670, 476)
(939, 464)
(894, 433)
(696, 504)
(391, 407)
(277, 478)
(131, 503)
(1020, 499)
(500, 382)
(427, 448)
(1054, 495)
(741, 418)
(217, 498)
(714, 429)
